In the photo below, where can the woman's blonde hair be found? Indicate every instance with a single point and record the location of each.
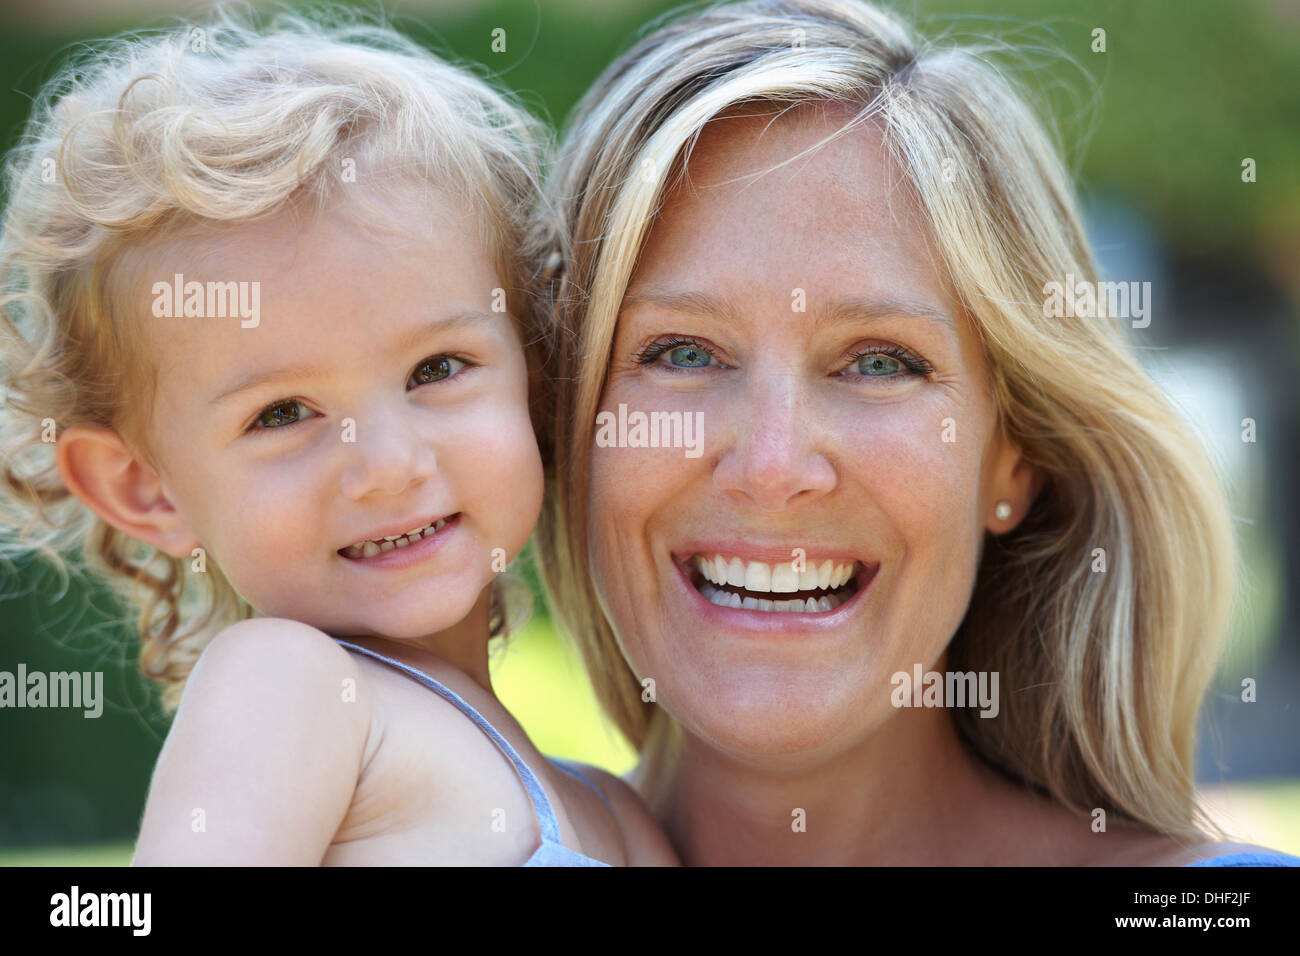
(205, 125)
(1105, 673)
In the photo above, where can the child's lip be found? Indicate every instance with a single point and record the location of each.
(412, 553)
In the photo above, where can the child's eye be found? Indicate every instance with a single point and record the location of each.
(288, 411)
(435, 369)
(281, 414)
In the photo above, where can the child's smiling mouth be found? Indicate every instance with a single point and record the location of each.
(382, 543)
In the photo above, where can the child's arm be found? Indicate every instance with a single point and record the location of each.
(645, 841)
(264, 755)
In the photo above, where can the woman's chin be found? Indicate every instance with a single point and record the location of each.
(754, 726)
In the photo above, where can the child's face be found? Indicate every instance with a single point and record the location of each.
(377, 392)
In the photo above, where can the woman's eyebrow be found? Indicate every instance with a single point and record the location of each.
(693, 303)
(857, 310)
(849, 309)
(403, 343)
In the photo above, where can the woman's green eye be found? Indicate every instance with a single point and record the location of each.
(888, 362)
(689, 356)
(876, 364)
(436, 369)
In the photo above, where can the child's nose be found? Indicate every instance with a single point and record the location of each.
(386, 457)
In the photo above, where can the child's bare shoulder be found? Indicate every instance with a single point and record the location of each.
(267, 652)
(280, 679)
(267, 701)
(645, 841)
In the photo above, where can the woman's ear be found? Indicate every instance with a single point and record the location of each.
(1016, 482)
(98, 466)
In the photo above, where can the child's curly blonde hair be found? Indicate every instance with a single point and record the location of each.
(213, 122)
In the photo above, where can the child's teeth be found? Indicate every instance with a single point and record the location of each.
(390, 542)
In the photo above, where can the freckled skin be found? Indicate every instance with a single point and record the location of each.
(806, 446)
(793, 449)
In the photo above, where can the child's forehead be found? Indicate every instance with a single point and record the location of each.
(396, 214)
(308, 270)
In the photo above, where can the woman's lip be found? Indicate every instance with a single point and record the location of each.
(399, 558)
(767, 555)
(775, 622)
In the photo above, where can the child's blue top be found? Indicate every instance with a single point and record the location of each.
(1251, 858)
(552, 852)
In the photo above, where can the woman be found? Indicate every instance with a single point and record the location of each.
(946, 579)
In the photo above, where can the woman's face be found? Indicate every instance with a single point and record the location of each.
(847, 418)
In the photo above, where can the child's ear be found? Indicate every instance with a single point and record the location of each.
(100, 468)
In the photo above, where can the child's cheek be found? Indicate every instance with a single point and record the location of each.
(506, 483)
(268, 531)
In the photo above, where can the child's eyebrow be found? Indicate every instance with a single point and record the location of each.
(404, 343)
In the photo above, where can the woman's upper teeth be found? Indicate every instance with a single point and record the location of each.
(780, 578)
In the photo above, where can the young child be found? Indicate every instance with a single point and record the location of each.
(266, 329)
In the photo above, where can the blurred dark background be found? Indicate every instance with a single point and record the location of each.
(1156, 127)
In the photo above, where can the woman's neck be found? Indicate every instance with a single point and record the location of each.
(913, 793)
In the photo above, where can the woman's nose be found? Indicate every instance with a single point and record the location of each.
(774, 456)
(388, 456)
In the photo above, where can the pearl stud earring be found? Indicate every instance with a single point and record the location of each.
(1003, 510)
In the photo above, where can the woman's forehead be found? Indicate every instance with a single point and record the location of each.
(763, 197)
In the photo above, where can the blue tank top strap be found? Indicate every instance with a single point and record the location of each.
(541, 804)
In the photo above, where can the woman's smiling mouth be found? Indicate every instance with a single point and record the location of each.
(811, 588)
(782, 591)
